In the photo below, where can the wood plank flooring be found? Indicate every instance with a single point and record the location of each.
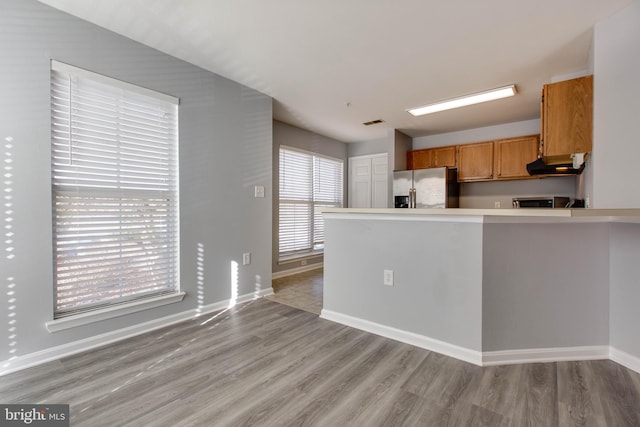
(267, 364)
(302, 290)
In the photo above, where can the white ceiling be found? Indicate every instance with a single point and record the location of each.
(331, 65)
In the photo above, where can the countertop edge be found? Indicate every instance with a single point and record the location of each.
(491, 215)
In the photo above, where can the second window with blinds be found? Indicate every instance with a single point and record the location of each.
(308, 183)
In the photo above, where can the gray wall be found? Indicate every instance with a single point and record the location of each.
(437, 273)
(284, 134)
(612, 183)
(625, 292)
(402, 144)
(376, 146)
(545, 286)
(395, 144)
(507, 130)
(487, 286)
(483, 195)
(616, 126)
(225, 149)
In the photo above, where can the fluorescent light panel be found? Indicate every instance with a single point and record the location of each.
(463, 101)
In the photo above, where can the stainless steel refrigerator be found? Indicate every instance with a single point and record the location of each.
(426, 188)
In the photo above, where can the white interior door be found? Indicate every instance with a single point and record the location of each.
(360, 182)
(379, 181)
(368, 181)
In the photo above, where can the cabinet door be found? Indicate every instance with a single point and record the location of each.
(512, 156)
(419, 159)
(444, 156)
(475, 162)
(567, 117)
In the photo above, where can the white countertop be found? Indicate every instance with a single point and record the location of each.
(501, 215)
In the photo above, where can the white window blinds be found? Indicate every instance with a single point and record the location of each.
(308, 183)
(114, 172)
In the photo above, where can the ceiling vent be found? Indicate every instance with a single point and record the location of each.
(373, 122)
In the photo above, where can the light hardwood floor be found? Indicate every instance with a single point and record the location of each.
(303, 290)
(267, 364)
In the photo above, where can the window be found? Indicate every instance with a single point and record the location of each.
(114, 174)
(308, 183)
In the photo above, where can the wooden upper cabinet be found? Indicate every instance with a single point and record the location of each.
(501, 159)
(566, 117)
(444, 156)
(512, 156)
(419, 159)
(475, 162)
(432, 158)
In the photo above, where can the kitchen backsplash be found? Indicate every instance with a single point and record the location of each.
(485, 195)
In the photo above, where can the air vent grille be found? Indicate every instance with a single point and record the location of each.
(373, 122)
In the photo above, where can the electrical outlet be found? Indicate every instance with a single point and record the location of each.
(496, 205)
(259, 191)
(303, 262)
(388, 277)
(246, 258)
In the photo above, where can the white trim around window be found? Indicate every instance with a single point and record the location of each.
(308, 183)
(115, 205)
(112, 311)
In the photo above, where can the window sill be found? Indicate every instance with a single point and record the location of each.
(295, 258)
(111, 312)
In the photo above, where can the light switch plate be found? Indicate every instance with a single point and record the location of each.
(388, 277)
(259, 191)
(246, 258)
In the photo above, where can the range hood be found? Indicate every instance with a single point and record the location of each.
(568, 167)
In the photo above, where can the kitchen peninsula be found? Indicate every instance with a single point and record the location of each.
(489, 286)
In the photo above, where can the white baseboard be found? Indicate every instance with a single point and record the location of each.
(37, 358)
(487, 358)
(461, 353)
(543, 355)
(625, 359)
(297, 270)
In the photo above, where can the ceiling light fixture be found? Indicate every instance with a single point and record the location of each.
(463, 101)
